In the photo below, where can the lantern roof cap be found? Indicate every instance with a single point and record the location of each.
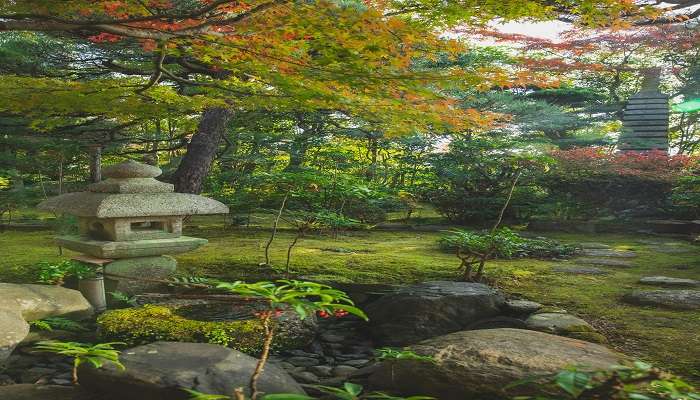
(131, 169)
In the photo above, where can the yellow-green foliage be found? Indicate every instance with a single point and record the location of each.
(152, 323)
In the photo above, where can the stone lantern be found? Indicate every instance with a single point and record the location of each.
(645, 119)
(128, 222)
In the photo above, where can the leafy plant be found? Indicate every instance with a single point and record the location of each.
(124, 298)
(305, 298)
(51, 323)
(475, 248)
(97, 355)
(387, 353)
(349, 391)
(56, 273)
(192, 281)
(639, 381)
(353, 391)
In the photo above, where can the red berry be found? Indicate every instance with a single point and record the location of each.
(340, 313)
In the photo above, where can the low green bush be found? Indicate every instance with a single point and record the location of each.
(152, 323)
(506, 244)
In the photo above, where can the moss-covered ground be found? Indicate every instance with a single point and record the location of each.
(664, 337)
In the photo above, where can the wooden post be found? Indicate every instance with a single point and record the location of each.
(95, 163)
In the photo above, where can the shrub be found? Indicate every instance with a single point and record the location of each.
(509, 244)
(56, 273)
(475, 248)
(686, 197)
(595, 181)
(473, 179)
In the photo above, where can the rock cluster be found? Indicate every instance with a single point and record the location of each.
(161, 370)
(430, 309)
(20, 303)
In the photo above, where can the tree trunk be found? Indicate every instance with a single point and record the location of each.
(95, 163)
(201, 150)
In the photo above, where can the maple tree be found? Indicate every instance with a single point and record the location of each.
(221, 57)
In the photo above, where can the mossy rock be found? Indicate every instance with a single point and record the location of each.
(151, 323)
(592, 337)
(550, 310)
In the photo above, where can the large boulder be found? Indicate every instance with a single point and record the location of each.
(481, 364)
(13, 328)
(160, 371)
(41, 301)
(429, 309)
(23, 302)
(677, 299)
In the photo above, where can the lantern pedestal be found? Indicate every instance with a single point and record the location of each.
(153, 268)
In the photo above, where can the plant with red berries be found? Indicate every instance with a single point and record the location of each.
(305, 298)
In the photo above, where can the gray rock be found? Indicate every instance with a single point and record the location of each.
(13, 328)
(41, 301)
(285, 365)
(608, 253)
(557, 323)
(429, 309)
(6, 380)
(302, 353)
(305, 377)
(322, 370)
(500, 321)
(580, 270)
(484, 363)
(343, 371)
(676, 299)
(34, 374)
(331, 338)
(44, 392)
(303, 361)
(669, 281)
(520, 307)
(356, 363)
(60, 381)
(159, 371)
(666, 249)
(607, 262)
(56, 334)
(336, 381)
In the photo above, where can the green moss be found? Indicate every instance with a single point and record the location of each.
(593, 337)
(550, 310)
(152, 323)
(667, 338)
